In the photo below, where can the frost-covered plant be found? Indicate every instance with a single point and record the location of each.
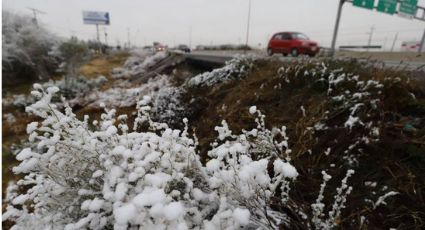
(104, 175)
(239, 174)
(236, 68)
(355, 101)
(168, 105)
(340, 199)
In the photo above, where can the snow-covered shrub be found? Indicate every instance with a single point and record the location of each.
(18, 100)
(235, 68)
(76, 87)
(239, 173)
(72, 53)
(26, 48)
(122, 96)
(349, 98)
(168, 105)
(138, 63)
(9, 117)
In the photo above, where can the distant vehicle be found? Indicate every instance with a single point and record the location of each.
(158, 47)
(293, 43)
(184, 48)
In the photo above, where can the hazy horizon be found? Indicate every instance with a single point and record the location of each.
(196, 22)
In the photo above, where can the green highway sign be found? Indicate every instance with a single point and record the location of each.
(387, 6)
(408, 7)
(368, 4)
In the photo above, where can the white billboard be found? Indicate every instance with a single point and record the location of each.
(96, 17)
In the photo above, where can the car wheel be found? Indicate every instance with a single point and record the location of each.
(269, 52)
(294, 52)
(284, 54)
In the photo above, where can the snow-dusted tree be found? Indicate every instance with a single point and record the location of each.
(72, 53)
(26, 49)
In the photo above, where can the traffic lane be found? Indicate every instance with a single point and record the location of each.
(223, 56)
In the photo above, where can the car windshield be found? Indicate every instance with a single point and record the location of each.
(300, 36)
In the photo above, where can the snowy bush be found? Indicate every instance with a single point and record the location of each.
(168, 105)
(235, 68)
(357, 102)
(72, 53)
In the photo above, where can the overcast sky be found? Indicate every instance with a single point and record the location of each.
(207, 22)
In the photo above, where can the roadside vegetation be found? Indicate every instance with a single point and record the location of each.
(255, 144)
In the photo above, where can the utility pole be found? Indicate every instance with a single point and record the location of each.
(385, 44)
(128, 37)
(370, 37)
(35, 12)
(106, 35)
(395, 39)
(422, 45)
(97, 33)
(338, 17)
(190, 37)
(247, 26)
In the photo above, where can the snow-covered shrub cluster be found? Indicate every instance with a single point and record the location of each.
(357, 100)
(138, 63)
(9, 118)
(18, 100)
(122, 96)
(76, 87)
(25, 47)
(234, 69)
(102, 174)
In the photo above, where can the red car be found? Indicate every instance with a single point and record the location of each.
(293, 43)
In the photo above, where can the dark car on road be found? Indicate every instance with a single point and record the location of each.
(293, 43)
(184, 48)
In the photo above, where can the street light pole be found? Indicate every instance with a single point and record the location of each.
(395, 39)
(422, 45)
(338, 17)
(370, 38)
(247, 26)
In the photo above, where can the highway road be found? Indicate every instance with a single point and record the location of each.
(217, 57)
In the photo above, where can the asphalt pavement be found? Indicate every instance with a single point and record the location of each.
(220, 57)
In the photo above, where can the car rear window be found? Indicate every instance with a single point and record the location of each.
(300, 36)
